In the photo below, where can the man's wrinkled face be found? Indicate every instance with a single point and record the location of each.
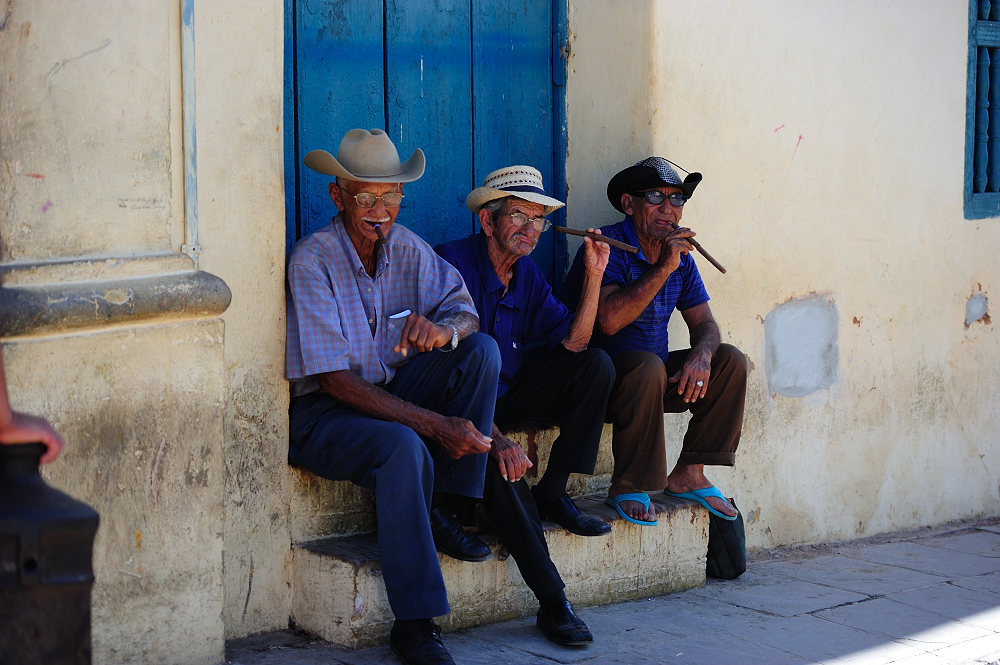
(360, 222)
(509, 238)
(653, 222)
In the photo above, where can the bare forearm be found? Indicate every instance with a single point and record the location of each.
(705, 338)
(376, 403)
(623, 306)
(465, 323)
(582, 326)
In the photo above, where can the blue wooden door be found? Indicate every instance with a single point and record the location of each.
(470, 82)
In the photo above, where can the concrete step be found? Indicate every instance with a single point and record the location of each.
(322, 508)
(338, 594)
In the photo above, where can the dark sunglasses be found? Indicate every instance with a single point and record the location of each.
(656, 197)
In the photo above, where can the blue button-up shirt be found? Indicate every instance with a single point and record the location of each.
(338, 316)
(682, 290)
(527, 312)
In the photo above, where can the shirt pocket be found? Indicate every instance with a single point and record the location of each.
(390, 333)
(511, 360)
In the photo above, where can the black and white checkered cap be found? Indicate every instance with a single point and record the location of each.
(663, 169)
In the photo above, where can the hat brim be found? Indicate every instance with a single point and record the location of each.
(642, 178)
(323, 162)
(480, 196)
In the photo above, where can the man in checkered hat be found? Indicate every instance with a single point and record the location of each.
(638, 295)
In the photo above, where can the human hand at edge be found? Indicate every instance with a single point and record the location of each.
(25, 428)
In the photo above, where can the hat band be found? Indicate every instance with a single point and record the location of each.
(523, 188)
(378, 175)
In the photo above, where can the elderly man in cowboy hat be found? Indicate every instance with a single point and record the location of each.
(392, 387)
(570, 385)
(639, 293)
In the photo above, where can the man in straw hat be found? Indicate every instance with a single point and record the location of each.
(392, 387)
(570, 385)
(639, 293)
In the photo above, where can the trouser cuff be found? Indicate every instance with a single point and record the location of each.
(654, 486)
(407, 606)
(710, 459)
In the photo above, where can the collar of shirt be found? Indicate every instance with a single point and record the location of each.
(515, 295)
(352, 254)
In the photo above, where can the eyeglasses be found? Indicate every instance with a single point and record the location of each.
(521, 220)
(367, 199)
(656, 197)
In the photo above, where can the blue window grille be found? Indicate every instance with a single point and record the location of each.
(982, 116)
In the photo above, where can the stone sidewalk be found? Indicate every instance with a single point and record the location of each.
(927, 597)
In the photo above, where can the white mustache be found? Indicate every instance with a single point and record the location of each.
(371, 220)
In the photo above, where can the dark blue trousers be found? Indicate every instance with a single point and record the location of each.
(337, 442)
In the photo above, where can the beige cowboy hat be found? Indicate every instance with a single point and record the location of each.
(367, 156)
(523, 182)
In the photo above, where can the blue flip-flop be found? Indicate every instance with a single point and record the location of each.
(640, 497)
(700, 496)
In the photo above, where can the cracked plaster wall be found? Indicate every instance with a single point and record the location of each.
(91, 165)
(242, 212)
(85, 130)
(831, 137)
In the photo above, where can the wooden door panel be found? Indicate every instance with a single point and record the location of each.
(512, 84)
(467, 81)
(428, 58)
(340, 86)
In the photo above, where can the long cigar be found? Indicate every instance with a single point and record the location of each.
(711, 259)
(381, 238)
(598, 238)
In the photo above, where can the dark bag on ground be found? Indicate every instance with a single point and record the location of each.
(727, 547)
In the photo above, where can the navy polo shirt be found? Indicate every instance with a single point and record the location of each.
(526, 313)
(682, 290)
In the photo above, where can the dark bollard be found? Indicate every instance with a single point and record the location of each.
(46, 545)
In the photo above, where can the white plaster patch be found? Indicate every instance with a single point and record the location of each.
(800, 338)
(975, 308)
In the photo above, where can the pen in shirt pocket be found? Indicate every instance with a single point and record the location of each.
(401, 315)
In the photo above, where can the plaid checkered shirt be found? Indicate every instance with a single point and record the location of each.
(338, 316)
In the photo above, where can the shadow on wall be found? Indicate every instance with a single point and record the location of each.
(800, 346)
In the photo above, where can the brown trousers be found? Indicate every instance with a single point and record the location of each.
(640, 397)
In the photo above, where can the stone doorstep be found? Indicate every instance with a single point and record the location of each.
(338, 594)
(322, 508)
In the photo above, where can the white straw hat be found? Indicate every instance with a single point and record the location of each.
(523, 182)
(367, 156)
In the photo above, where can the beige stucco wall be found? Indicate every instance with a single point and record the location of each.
(155, 479)
(86, 114)
(176, 426)
(242, 216)
(831, 137)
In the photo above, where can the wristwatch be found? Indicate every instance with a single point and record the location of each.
(454, 339)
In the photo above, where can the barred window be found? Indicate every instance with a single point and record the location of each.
(982, 132)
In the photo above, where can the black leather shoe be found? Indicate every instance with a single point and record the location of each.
(564, 512)
(418, 643)
(451, 539)
(562, 626)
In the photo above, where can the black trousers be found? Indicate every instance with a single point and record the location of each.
(570, 389)
(513, 512)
